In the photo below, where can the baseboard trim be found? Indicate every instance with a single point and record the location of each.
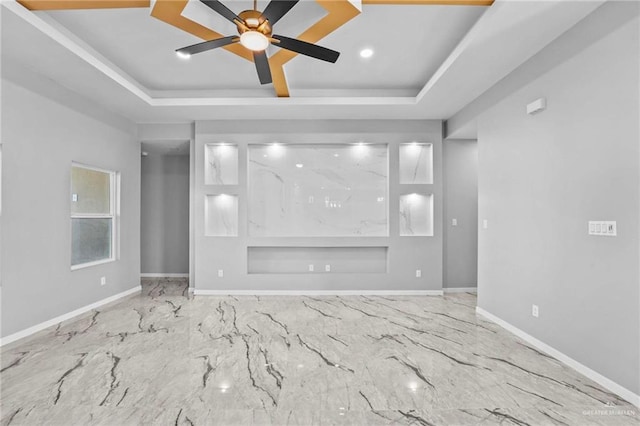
(580, 368)
(461, 290)
(54, 321)
(161, 275)
(199, 292)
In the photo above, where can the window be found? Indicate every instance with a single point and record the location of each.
(93, 218)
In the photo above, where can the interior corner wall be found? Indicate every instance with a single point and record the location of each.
(460, 159)
(164, 221)
(405, 254)
(541, 179)
(41, 137)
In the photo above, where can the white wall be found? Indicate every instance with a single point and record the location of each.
(460, 159)
(405, 254)
(164, 222)
(541, 178)
(41, 136)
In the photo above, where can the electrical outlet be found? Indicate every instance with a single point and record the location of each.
(454, 222)
(103, 280)
(534, 311)
(310, 268)
(418, 273)
(327, 268)
(220, 273)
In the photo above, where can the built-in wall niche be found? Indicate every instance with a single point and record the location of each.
(220, 164)
(416, 215)
(221, 215)
(316, 260)
(318, 190)
(416, 163)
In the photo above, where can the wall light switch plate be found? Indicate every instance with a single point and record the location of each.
(103, 280)
(535, 311)
(74, 197)
(606, 228)
(310, 268)
(220, 273)
(485, 224)
(418, 273)
(454, 222)
(327, 268)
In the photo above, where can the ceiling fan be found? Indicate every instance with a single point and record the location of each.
(255, 31)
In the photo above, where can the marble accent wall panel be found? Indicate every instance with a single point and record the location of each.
(416, 163)
(221, 215)
(220, 164)
(318, 190)
(416, 215)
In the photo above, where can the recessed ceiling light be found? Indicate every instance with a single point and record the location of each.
(299, 165)
(366, 53)
(183, 55)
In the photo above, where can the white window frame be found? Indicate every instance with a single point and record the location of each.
(113, 215)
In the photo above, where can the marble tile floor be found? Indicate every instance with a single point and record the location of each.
(164, 358)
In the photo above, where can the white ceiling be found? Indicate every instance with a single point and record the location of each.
(405, 55)
(429, 61)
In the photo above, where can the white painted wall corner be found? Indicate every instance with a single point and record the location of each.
(580, 368)
(54, 321)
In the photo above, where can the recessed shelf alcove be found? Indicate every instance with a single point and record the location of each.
(416, 163)
(416, 215)
(221, 215)
(220, 164)
(297, 260)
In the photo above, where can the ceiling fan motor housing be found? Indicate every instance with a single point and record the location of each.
(254, 21)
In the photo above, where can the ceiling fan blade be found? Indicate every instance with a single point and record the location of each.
(208, 45)
(222, 9)
(276, 9)
(307, 49)
(262, 66)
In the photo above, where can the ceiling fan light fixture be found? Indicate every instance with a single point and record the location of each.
(254, 40)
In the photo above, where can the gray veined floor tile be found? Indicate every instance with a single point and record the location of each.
(164, 357)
